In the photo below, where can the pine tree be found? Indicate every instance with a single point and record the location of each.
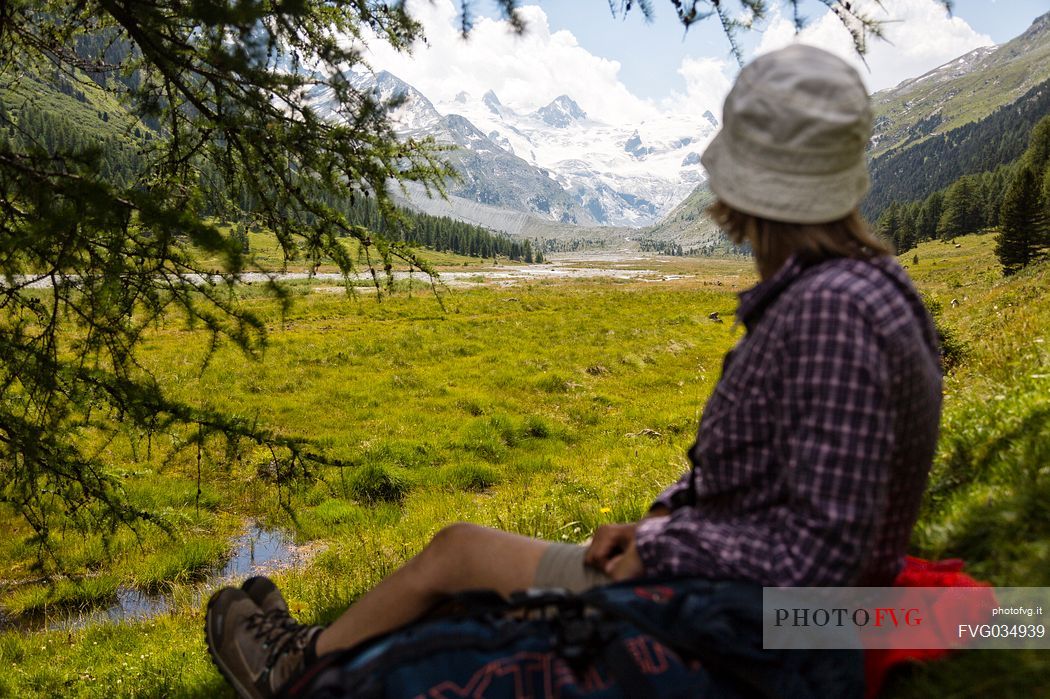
(962, 213)
(240, 234)
(121, 246)
(1044, 196)
(929, 215)
(1037, 156)
(889, 222)
(1023, 231)
(996, 188)
(906, 229)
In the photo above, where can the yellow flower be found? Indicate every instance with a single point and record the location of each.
(605, 510)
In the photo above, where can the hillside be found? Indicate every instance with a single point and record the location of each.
(912, 172)
(987, 495)
(88, 108)
(966, 89)
(687, 225)
(59, 113)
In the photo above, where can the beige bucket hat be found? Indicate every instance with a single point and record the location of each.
(791, 147)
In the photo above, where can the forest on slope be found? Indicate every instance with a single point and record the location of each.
(54, 114)
(910, 173)
(1013, 199)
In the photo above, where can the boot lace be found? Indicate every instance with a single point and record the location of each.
(280, 634)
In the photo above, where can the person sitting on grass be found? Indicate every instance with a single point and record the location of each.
(813, 450)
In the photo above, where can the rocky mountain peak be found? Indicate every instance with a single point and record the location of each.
(561, 112)
(385, 80)
(634, 146)
(1040, 25)
(492, 102)
(411, 110)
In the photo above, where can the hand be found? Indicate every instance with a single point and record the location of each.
(610, 542)
(625, 566)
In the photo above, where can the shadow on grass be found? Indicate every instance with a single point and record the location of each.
(1002, 525)
(1015, 454)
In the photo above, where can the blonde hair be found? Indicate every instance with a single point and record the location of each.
(773, 242)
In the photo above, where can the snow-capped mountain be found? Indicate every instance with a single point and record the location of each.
(624, 175)
(561, 113)
(557, 162)
(490, 171)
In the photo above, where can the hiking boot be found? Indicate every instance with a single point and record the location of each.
(257, 651)
(264, 593)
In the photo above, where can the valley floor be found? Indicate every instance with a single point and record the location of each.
(545, 406)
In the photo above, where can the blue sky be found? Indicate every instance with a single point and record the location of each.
(624, 70)
(650, 53)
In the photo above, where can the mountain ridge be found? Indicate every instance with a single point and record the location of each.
(965, 89)
(592, 160)
(490, 172)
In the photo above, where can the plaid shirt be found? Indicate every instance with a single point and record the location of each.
(814, 449)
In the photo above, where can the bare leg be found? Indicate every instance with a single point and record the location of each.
(460, 557)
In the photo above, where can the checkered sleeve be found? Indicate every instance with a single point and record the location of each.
(834, 430)
(665, 498)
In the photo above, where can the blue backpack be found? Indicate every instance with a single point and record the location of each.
(636, 640)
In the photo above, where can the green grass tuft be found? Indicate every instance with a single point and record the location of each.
(61, 596)
(473, 477)
(185, 562)
(375, 482)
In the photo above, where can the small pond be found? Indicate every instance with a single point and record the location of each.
(259, 551)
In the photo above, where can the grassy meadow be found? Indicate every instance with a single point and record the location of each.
(546, 408)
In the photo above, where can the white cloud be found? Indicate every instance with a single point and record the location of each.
(920, 36)
(530, 70)
(706, 84)
(526, 72)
